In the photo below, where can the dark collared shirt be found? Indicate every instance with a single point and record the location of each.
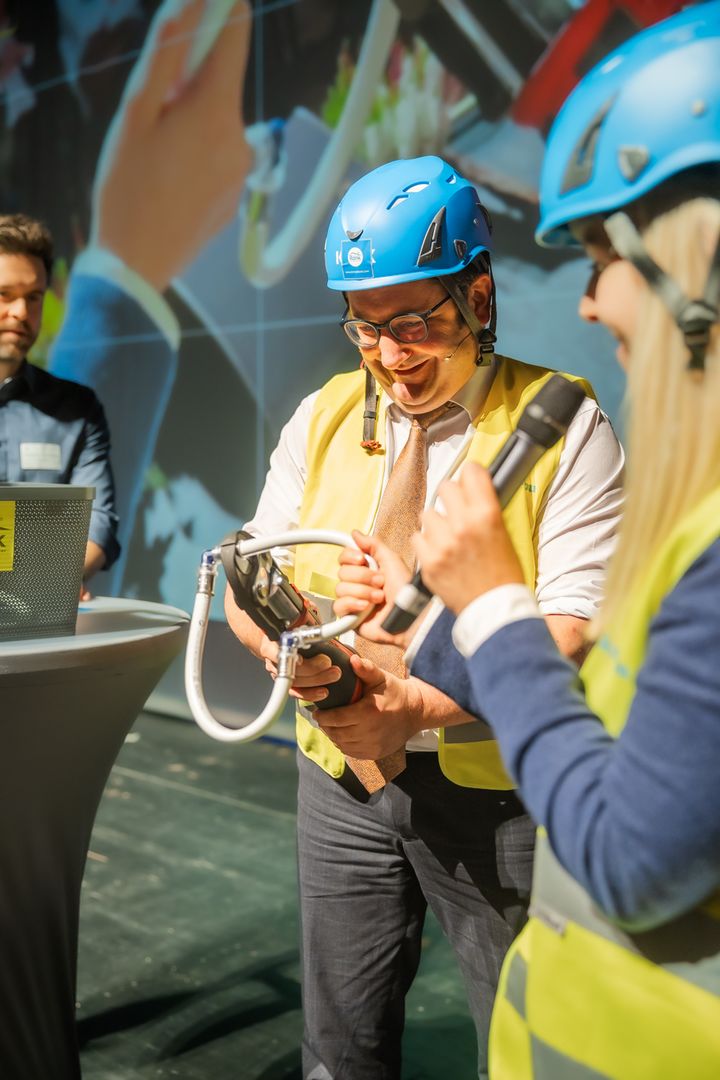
(53, 431)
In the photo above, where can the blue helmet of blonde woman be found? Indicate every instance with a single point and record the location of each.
(407, 221)
(647, 116)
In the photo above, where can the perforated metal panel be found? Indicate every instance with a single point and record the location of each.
(39, 593)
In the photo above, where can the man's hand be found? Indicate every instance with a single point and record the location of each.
(360, 587)
(389, 713)
(312, 675)
(94, 561)
(467, 551)
(175, 159)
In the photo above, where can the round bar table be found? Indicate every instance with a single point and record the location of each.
(66, 705)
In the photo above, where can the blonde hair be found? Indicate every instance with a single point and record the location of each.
(673, 415)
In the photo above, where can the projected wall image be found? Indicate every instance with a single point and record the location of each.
(188, 157)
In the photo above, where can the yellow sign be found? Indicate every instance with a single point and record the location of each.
(7, 534)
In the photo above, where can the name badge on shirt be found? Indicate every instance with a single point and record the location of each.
(40, 455)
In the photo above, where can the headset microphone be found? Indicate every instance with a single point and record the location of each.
(462, 339)
(543, 422)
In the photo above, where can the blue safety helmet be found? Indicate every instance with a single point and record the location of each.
(406, 221)
(650, 110)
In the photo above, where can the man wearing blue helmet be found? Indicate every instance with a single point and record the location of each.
(617, 974)
(408, 247)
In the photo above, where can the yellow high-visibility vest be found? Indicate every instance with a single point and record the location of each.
(342, 491)
(579, 997)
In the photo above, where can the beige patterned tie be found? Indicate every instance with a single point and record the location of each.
(398, 518)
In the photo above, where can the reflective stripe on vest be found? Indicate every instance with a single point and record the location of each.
(343, 490)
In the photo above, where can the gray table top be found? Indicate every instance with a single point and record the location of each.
(102, 623)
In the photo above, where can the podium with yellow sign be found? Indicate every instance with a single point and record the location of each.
(68, 702)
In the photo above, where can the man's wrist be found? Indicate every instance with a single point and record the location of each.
(95, 559)
(417, 708)
(433, 709)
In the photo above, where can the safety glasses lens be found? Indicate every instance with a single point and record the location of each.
(361, 333)
(408, 328)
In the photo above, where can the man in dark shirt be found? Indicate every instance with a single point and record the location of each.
(51, 430)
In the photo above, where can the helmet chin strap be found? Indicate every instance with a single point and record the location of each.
(370, 441)
(484, 335)
(695, 318)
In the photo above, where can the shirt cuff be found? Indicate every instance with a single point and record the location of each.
(489, 613)
(98, 262)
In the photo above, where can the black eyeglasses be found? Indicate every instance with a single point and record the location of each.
(409, 329)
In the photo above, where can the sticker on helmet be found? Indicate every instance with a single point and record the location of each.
(356, 259)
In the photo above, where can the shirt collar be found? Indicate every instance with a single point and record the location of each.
(15, 385)
(471, 397)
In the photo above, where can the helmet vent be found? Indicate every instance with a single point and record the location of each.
(419, 186)
(632, 160)
(431, 247)
(580, 167)
(396, 200)
(353, 234)
(460, 248)
(486, 215)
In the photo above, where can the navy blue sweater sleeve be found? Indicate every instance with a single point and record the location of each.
(636, 821)
(438, 662)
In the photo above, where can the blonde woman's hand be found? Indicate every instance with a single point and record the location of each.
(467, 551)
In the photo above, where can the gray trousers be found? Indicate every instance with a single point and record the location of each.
(369, 866)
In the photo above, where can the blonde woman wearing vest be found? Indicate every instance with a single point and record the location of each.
(617, 974)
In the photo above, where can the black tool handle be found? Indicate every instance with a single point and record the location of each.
(348, 689)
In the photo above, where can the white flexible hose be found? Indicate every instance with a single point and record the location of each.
(196, 694)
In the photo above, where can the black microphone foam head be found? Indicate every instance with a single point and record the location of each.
(547, 417)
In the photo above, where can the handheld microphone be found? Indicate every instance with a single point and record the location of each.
(543, 421)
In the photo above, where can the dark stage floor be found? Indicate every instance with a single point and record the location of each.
(188, 934)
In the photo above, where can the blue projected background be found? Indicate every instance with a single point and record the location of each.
(188, 157)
